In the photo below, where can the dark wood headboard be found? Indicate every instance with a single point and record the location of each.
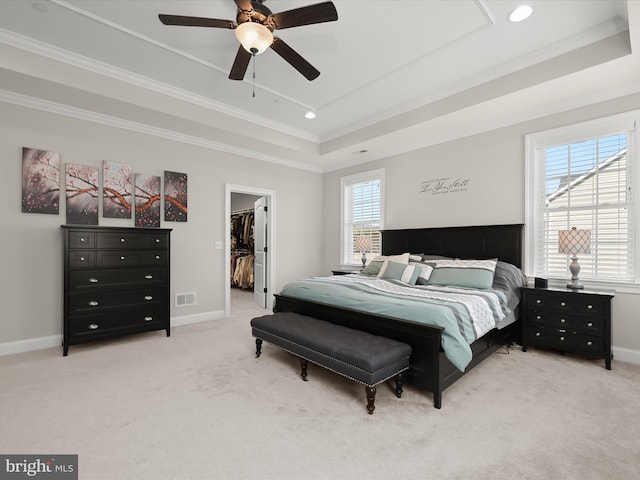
(489, 241)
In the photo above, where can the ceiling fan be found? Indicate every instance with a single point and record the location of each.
(254, 28)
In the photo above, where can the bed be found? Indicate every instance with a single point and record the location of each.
(431, 368)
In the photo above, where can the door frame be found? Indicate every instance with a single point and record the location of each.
(271, 243)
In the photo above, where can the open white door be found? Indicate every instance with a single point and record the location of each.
(260, 221)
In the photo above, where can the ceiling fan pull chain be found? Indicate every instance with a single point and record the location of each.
(254, 74)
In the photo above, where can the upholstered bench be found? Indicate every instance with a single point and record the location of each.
(363, 357)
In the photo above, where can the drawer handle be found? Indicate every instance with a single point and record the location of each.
(93, 326)
(157, 240)
(589, 307)
(82, 239)
(157, 257)
(538, 317)
(562, 304)
(562, 339)
(537, 334)
(122, 240)
(148, 297)
(590, 324)
(562, 320)
(93, 303)
(148, 277)
(82, 259)
(148, 319)
(538, 301)
(121, 258)
(589, 343)
(93, 280)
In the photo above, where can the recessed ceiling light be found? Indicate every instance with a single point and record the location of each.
(310, 115)
(520, 13)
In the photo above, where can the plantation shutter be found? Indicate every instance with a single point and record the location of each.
(362, 216)
(588, 185)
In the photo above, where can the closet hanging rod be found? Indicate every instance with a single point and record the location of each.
(246, 210)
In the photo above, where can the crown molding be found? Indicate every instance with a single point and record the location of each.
(37, 47)
(111, 121)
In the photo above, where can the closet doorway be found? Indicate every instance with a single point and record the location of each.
(250, 250)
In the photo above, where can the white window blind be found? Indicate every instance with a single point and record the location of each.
(362, 214)
(587, 182)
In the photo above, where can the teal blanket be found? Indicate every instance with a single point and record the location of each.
(465, 314)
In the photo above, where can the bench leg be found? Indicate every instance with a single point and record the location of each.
(399, 385)
(258, 347)
(371, 398)
(303, 369)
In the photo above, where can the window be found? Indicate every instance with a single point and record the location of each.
(362, 200)
(584, 176)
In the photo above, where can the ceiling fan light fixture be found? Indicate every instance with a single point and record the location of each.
(254, 37)
(310, 115)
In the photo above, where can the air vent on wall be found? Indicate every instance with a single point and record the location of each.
(184, 299)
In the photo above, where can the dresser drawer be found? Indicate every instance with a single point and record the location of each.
(126, 258)
(92, 302)
(135, 319)
(81, 258)
(82, 280)
(82, 239)
(120, 240)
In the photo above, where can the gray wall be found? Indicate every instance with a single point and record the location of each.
(493, 163)
(31, 243)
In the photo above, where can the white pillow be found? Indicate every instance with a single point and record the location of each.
(404, 258)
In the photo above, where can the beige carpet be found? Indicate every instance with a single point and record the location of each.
(198, 405)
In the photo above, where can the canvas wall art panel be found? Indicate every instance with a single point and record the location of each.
(40, 181)
(175, 196)
(147, 198)
(82, 194)
(117, 190)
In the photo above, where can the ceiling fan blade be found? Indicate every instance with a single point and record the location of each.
(240, 64)
(244, 5)
(196, 21)
(294, 59)
(318, 13)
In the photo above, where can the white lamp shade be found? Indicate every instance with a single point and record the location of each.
(574, 241)
(254, 35)
(363, 244)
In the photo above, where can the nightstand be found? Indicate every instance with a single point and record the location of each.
(576, 321)
(346, 269)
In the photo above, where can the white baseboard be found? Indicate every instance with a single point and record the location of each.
(40, 343)
(197, 318)
(626, 355)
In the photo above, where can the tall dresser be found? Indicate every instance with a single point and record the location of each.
(116, 282)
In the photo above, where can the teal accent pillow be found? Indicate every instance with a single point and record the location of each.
(373, 268)
(464, 273)
(399, 271)
(393, 271)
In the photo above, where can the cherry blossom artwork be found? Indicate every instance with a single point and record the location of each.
(40, 181)
(82, 194)
(175, 196)
(117, 190)
(147, 193)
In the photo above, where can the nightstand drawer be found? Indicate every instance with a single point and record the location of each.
(574, 304)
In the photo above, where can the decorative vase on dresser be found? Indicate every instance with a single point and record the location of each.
(576, 321)
(116, 282)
